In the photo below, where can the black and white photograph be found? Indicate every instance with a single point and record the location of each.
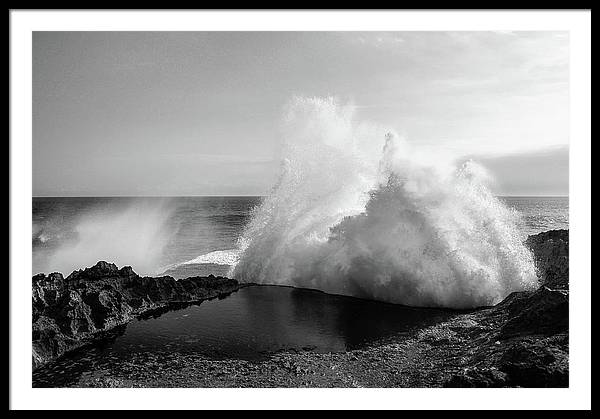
(324, 209)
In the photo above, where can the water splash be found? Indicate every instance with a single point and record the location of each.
(134, 235)
(395, 225)
(227, 257)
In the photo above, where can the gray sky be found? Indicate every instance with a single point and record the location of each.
(198, 113)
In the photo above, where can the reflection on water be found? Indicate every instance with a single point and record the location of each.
(249, 324)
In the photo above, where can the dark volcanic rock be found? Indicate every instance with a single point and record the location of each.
(529, 344)
(478, 377)
(521, 342)
(537, 362)
(70, 312)
(544, 312)
(551, 253)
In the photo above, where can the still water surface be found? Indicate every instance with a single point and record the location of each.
(249, 324)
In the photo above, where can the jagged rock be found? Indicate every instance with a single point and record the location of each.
(521, 342)
(478, 377)
(545, 312)
(551, 253)
(531, 345)
(70, 312)
(534, 362)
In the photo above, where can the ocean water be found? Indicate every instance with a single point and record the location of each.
(250, 324)
(199, 236)
(540, 213)
(182, 236)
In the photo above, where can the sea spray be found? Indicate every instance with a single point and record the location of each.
(131, 235)
(228, 257)
(358, 212)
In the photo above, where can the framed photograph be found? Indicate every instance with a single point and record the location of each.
(310, 209)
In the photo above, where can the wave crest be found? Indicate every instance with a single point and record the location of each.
(397, 226)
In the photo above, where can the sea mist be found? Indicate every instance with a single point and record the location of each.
(131, 235)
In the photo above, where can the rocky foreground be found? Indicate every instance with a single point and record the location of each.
(87, 305)
(520, 342)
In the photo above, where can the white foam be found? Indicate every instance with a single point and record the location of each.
(401, 225)
(227, 257)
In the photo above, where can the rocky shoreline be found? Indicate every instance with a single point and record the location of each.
(87, 305)
(520, 342)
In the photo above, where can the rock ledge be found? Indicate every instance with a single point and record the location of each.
(86, 305)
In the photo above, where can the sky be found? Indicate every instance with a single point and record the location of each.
(198, 113)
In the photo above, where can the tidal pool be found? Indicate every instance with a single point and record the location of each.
(250, 324)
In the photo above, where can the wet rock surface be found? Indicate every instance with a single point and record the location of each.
(521, 342)
(85, 306)
(551, 251)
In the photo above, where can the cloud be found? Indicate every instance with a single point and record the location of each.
(540, 172)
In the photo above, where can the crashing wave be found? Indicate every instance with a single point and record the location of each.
(400, 225)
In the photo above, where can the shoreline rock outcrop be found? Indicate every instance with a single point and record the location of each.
(530, 347)
(551, 254)
(83, 307)
(521, 342)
